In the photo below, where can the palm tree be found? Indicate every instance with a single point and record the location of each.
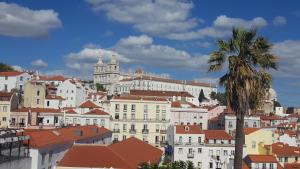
(246, 80)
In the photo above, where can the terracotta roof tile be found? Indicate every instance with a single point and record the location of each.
(250, 130)
(96, 112)
(292, 165)
(13, 73)
(71, 111)
(284, 150)
(5, 96)
(261, 158)
(54, 97)
(127, 154)
(88, 104)
(38, 110)
(217, 134)
(188, 129)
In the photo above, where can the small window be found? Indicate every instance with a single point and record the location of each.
(6, 77)
(38, 93)
(37, 101)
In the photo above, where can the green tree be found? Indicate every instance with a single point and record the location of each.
(100, 87)
(201, 97)
(246, 80)
(221, 97)
(5, 68)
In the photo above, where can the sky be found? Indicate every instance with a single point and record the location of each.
(173, 37)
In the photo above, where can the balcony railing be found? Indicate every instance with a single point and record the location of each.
(163, 131)
(190, 155)
(142, 120)
(145, 131)
(132, 131)
(116, 130)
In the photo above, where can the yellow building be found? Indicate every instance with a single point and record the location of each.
(142, 117)
(34, 94)
(8, 102)
(257, 138)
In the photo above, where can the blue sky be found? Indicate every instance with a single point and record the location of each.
(173, 37)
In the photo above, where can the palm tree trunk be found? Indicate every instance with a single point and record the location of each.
(239, 140)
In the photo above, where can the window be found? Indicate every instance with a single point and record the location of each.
(132, 116)
(95, 121)
(157, 128)
(117, 108)
(125, 116)
(4, 108)
(199, 139)
(180, 151)
(43, 158)
(133, 108)
(125, 108)
(145, 116)
(102, 122)
(5, 87)
(21, 78)
(50, 156)
(37, 101)
(199, 150)
(38, 93)
(124, 137)
(180, 139)
(271, 166)
(210, 152)
(210, 165)
(6, 77)
(230, 125)
(190, 150)
(72, 91)
(47, 121)
(253, 144)
(264, 166)
(285, 159)
(145, 108)
(125, 127)
(87, 121)
(117, 116)
(48, 103)
(163, 116)
(3, 118)
(246, 124)
(157, 109)
(225, 152)
(254, 124)
(190, 140)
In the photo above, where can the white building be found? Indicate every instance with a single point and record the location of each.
(207, 149)
(13, 80)
(142, 117)
(73, 92)
(249, 122)
(185, 113)
(55, 102)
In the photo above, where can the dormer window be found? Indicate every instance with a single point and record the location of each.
(186, 128)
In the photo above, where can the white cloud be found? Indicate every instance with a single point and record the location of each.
(39, 63)
(157, 17)
(19, 21)
(279, 20)
(158, 55)
(17, 68)
(221, 27)
(288, 52)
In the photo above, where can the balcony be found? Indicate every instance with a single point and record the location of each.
(163, 131)
(190, 155)
(132, 131)
(116, 130)
(145, 131)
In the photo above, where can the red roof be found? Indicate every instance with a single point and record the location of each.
(47, 137)
(5, 96)
(250, 130)
(284, 150)
(180, 103)
(160, 93)
(188, 129)
(264, 117)
(96, 112)
(12, 73)
(54, 97)
(88, 104)
(38, 110)
(261, 158)
(292, 165)
(217, 134)
(134, 97)
(56, 78)
(71, 111)
(127, 154)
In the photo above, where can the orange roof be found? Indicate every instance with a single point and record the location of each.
(260, 158)
(180, 103)
(38, 110)
(88, 104)
(5, 96)
(217, 134)
(54, 97)
(12, 73)
(160, 93)
(71, 111)
(250, 130)
(292, 165)
(188, 129)
(134, 97)
(56, 78)
(274, 117)
(47, 137)
(96, 112)
(284, 150)
(127, 154)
